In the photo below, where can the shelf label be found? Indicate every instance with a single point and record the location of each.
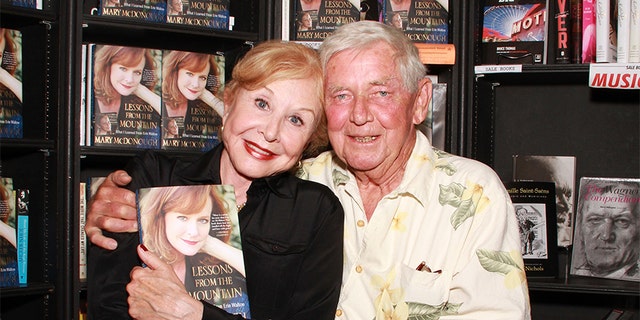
(614, 75)
(502, 68)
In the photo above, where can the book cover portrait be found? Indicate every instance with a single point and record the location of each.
(11, 122)
(8, 240)
(195, 230)
(607, 237)
(125, 97)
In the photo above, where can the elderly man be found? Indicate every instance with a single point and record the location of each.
(426, 233)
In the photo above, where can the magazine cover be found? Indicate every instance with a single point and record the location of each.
(192, 107)
(535, 206)
(203, 13)
(316, 19)
(8, 241)
(144, 10)
(514, 32)
(125, 97)
(11, 121)
(185, 226)
(423, 21)
(607, 237)
(562, 171)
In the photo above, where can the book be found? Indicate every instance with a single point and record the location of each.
(22, 3)
(624, 23)
(535, 206)
(180, 223)
(607, 235)
(433, 125)
(191, 109)
(423, 21)
(562, 28)
(606, 33)
(634, 32)
(558, 169)
(316, 19)
(203, 13)
(142, 10)
(514, 32)
(82, 236)
(588, 31)
(22, 236)
(125, 97)
(8, 251)
(11, 117)
(575, 46)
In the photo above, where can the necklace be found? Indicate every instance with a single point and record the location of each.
(240, 206)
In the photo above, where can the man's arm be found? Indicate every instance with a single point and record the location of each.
(112, 208)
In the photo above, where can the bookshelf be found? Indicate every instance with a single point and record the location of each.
(552, 108)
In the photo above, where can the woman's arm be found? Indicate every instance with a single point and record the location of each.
(212, 101)
(149, 97)
(8, 233)
(225, 252)
(12, 83)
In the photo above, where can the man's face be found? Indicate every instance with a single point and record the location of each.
(610, 234)
(370, 114)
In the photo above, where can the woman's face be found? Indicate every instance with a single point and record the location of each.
(125, 79)
(188, 231)
(176, 5)
(306, 20)
(105, 124)
(192, 83)
(267, 129)
(172, 127)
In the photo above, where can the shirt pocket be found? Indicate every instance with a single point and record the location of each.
(425, 287)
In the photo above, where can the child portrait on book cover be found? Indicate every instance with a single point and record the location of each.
(607, 239)
(176, 224)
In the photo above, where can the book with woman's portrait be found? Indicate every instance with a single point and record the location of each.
(195, 230)
(535, 209)
(11, 112)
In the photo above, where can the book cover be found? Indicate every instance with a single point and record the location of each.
(607, 236)
(562, 171)
(82, 236)
(624, 23)
(562, 31)
(125, 97)
(191, 107)
(634, 32)
(514, 32)
(588, 31)
(22, 241)
(11, 121)
(21, 3)
(185, 226)
(423, 21)
(575, 44)
(316, 19)
(203, 13)
(606, 33)
(142, 10)
(535, 206)
(8, 250)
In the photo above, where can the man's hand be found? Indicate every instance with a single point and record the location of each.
(156, 292)
(112, 208)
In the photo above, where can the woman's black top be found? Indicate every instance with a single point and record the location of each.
(292, 238)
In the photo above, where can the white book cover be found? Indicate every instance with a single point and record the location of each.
(624, 17)
(605, 50)
(634, 32)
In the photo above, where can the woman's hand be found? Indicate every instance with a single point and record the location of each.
(155, 292)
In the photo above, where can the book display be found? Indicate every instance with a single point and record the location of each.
(534, 204)
(176, 222)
